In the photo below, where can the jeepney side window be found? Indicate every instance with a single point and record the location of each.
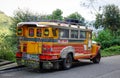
(64, 33)
(19, 31)
(46, 32)
(90, 35)
(39, 32)
(74, 33)
(54, 31)
(31, 32)
(82, 34)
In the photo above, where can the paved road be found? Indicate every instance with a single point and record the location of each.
(109, 67)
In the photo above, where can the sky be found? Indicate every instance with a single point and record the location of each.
(47, 6)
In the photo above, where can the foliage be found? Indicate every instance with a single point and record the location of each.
(7, 48)
(115, 41)
(114, 50)
(77, 16)
(104, 37)
(21, 15)
(98, 21)
(57, 15)
(5, 20)
(109, 19)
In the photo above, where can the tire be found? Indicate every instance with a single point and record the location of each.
(67, 62)
(97, 58)
(41, 67)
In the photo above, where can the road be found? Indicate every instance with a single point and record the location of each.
(109, 67)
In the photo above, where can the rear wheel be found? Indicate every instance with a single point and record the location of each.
(67, 62)
(97, 58)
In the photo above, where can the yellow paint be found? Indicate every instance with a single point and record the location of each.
(82, 56)
(94, 49)
(34, 48)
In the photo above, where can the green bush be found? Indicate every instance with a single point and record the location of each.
(112, 42)
(7, 47)
(104, 38)
(115, 41)
(114, 50)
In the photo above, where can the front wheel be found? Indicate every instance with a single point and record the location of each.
(67, 62)
(97, 58)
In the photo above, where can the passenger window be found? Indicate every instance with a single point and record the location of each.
(31, 32)
(74, 34)
(64, 33)
(54, 31)
(39, 32)
(90, 35)
(19, 31)
(46, 32)
(82, 34)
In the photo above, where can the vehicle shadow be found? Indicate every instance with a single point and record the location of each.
(81, 63)
(75, 65)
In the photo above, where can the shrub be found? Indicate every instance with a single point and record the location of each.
(114, 50)
(115, 41)
(7, 47)
(104, 37)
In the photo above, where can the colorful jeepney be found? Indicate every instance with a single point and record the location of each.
(48, 45)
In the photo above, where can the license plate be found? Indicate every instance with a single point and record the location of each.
(30, 57)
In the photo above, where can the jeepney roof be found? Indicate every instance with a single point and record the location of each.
(52, 24)
(37, 24)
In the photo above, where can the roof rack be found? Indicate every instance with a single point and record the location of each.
(67, 23)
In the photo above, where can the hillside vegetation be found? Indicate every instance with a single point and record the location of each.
(6, 48)
(5, 23)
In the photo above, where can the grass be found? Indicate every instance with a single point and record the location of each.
(114, 50)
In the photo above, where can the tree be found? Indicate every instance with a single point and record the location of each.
(77, 16)
(56, 15)
(109, 19)
(112, 18)
(98, 21)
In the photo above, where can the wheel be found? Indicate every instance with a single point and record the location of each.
(97, 58)
(67, 62)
